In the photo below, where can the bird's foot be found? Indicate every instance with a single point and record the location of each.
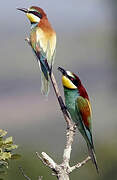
(76, 124)
(51, 69)
(27, 40)
(48, 68)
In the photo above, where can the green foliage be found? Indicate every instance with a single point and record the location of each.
(6, 147)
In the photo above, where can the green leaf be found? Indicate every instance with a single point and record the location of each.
(5, 155)
(8, 140)
(11, 147)
(1, 143)
(2, 133)
(1, 150)
(3, 164)
(15, 156)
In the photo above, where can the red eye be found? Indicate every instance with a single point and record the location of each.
(72, 79)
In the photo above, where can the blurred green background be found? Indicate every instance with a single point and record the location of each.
(87, 45)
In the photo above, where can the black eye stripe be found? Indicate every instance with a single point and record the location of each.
(71, 78)
(36, 14)
(74, 81)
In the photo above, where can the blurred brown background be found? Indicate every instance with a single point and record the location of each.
(87, 45)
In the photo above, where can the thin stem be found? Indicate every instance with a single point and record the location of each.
(22, 171)
(60, 100)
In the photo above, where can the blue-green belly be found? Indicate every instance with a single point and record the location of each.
(70, 98)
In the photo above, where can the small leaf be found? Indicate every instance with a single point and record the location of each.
(15, 156)
(3, 164)
(1, 143)
(2, 133)
(1, 150)
(8, 140)
(5, 155)
(11, 147)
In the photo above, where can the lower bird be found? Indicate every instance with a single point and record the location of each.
(43, 42)
(78, 105)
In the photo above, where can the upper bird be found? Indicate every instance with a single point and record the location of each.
(78, 105)
(43, 42)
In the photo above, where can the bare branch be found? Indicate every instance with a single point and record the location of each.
(68, 148)
(78, 165)
(41, 159)
(60, 100)
(22, 171)
(48, 161)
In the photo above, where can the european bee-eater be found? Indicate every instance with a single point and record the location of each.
(79, 107)
(43, 42)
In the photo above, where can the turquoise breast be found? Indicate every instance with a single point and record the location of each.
(70, 98)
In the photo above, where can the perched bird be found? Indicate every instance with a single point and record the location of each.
(78, 105)
(42, 41)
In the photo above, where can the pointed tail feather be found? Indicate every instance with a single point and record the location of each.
(44, 85)
(44, 79)
(93, 157)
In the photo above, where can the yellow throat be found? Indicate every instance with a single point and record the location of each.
(33, 18)
(67, 83)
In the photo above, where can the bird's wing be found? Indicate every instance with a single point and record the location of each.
(84, 107)
(41, 58)
(83, 110)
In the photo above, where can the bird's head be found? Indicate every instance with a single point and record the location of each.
(69, 79)
(34, 14)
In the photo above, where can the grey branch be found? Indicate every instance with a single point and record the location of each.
(78, 165)
(62, 170)
(60, 100)
(48, 161)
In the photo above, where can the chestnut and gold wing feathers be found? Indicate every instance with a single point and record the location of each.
(47, 44)
(84, 107)
(83, 111)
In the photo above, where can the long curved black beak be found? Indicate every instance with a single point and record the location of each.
(23, 10)
(62, 71)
